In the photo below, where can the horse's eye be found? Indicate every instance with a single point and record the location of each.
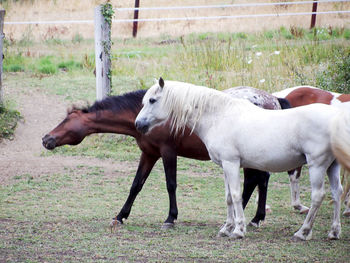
(151, 100)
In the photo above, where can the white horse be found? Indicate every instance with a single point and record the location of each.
(240, 134)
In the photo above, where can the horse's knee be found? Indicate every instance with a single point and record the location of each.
(317, 196)
(136, 187)
(236, 197)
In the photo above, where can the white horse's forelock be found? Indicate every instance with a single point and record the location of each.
(183, 100)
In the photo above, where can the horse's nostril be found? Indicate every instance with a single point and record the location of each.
(49, 142)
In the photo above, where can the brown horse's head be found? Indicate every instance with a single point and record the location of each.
(71, 130)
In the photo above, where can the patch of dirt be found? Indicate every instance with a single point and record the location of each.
(22, 155)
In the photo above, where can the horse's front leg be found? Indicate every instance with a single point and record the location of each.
(235, 215)
(145, 166)
(317, 175)
(169, 157)
(295, 191)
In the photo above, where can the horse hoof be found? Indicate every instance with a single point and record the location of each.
(297, 239)
(167, 226)
(347, 212)
(333, 236)
(304, 210)
(113, 225)
(222, 234)
(235, 236)
(253, 224)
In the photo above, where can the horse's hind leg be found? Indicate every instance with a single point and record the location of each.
(261, 210)
(170, 162)
(347, 204)
(317, 175)
(252, 178)
(346, 193)
(295, 191)
(333, 173)
(250, 182)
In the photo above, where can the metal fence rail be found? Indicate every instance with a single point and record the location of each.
(159, 19)
(226, 5)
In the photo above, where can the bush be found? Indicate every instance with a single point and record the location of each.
(14, 63)
(285, 33)
(336, 75)
(46, 66)
(14, 68)
(8, 122)
(346, 34)
(47, 69)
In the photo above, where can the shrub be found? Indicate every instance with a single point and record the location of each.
(8, 121)
(47, 69)
(346, 34)
(46, 66)
(14, 68)
(14, 63)
(336, 75)
(285, 33)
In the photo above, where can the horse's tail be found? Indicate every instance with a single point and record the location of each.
(285, 104)
(340, 138)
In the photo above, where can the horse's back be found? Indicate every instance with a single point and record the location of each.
(273, 140)
(258, 97)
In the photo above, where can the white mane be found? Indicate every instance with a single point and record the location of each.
(184, 103)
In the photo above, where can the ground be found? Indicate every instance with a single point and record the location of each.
(54, 209)
(22, 155)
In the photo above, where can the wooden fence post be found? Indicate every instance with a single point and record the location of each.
(313, 16)
(102, 54)
(2, 16)
(136, 16)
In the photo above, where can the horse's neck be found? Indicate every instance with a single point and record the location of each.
(109, 122)
(202, 126)
(212, 121)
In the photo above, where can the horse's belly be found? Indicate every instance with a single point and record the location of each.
(276, 164)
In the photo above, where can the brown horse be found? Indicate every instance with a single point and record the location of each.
(117, 115)
(305, 95)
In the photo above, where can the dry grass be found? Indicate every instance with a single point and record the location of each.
(83, 10)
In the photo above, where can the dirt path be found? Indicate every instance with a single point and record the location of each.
(22, 155)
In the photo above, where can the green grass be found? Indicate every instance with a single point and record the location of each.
(64, 217)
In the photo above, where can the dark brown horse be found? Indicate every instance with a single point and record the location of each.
(117, 115)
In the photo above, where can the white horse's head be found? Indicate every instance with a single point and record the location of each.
(152, 113)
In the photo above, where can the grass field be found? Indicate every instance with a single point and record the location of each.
(64, 217)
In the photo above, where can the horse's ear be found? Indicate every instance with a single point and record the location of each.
(161, 82)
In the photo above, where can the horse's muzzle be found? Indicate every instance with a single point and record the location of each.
(142, 126)
(49, 142)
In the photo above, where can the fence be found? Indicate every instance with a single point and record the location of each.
(2, 16)
(230, 12)
(102, 90)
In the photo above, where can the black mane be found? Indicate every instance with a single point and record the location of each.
(128, 101)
